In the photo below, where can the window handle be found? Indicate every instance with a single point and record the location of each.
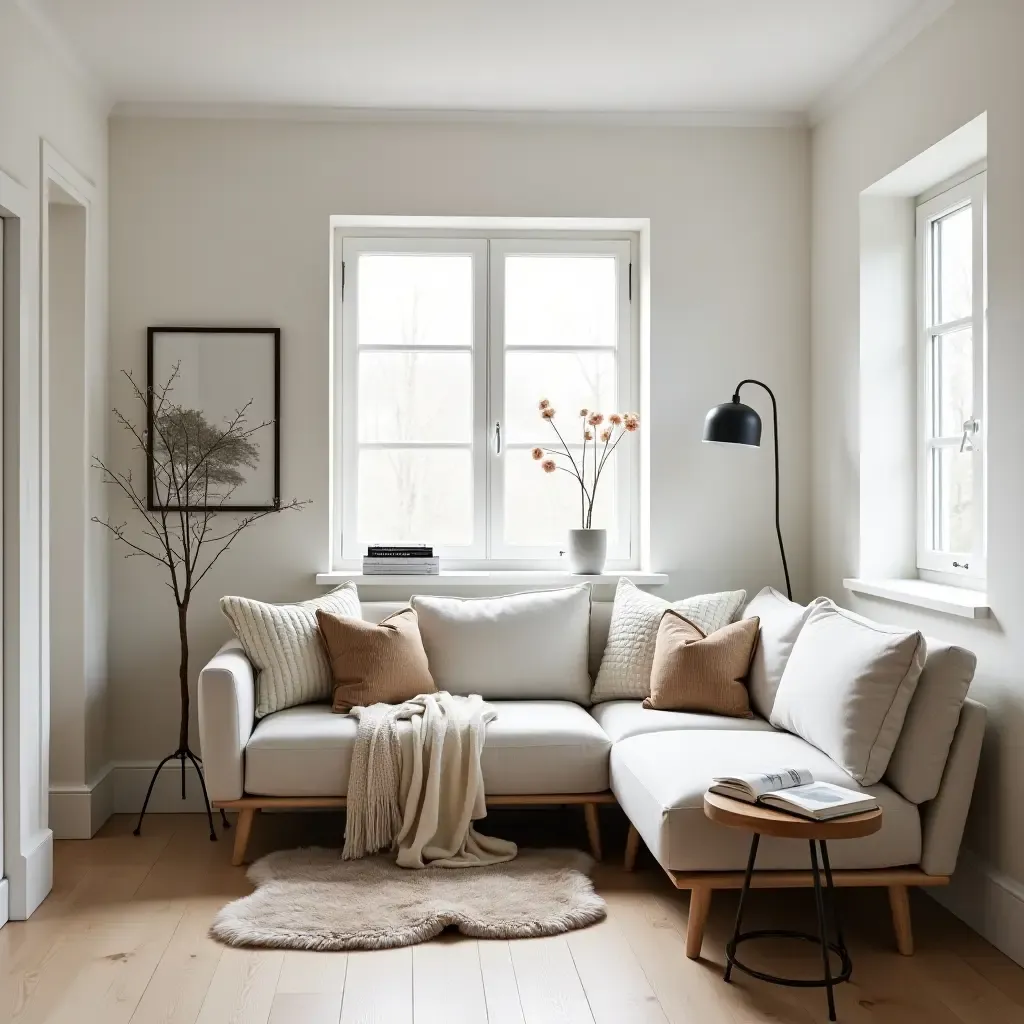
(497, 437)
(971, 428)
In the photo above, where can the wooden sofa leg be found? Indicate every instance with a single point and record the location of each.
(632, 848)
(700, 905)
(899, 903)
(593, 829)
(243, 829)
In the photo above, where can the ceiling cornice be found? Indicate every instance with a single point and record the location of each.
(363, 115)
(876, 57)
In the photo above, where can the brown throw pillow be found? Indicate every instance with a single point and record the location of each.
(697, 672)
(382, 664)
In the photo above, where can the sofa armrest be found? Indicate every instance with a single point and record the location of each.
(227, 705)
(943, 819)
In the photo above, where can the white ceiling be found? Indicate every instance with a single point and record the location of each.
(651, 56)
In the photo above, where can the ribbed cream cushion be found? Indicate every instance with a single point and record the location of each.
(847, 687)
(283, 643)
(694, 672)
(625, 671)
(382, 664)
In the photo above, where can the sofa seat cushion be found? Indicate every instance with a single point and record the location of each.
(621, 719)
(533, 747)
(660, 781)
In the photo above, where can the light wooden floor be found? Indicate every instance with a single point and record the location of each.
(123, 939)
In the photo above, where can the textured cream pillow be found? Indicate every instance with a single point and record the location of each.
(382, 664)
(694, 672)
(529, 646)
(781, 622)
(625, 672)
(847, 687)
(283, 643)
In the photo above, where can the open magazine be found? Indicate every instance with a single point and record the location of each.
(796, 791)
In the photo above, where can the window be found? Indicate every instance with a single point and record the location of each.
(951, 390)
(447, 346)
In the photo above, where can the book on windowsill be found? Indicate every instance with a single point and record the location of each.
(377, 551)
(396, 566)
(795, 791)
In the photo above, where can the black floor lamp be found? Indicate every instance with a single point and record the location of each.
(736, 423)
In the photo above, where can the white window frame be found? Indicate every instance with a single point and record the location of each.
(488, 248)
(963, 566)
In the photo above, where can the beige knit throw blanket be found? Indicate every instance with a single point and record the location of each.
(419, 788)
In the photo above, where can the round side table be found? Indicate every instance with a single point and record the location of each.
(765, 821)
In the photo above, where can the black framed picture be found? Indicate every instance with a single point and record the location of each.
(200, 380)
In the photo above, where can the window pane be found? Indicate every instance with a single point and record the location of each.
(571, 381)
(953, 481)
(954, 376)
(416, 396)
(418, 299)
(560, 300)
(953, 250)
(540, 508)
(416, 496)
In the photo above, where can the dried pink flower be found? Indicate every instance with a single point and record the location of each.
(606, 435)
(548, 465)
(595, 419)
(583, 413)
(544, 403)
(615, 419)
(631, 422)
(588, 435)
(538, 454)
(547, 412)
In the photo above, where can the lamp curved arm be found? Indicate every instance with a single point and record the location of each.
(775, 437)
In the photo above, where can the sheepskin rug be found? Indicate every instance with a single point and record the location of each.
(312, 899)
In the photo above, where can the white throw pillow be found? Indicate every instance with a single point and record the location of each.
(847, 686)
(781, 622)
(529, 646)
(625, 672)
(283, 643)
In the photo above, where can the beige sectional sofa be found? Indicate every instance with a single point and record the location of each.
(655, 764)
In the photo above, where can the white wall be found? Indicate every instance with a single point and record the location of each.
(966, 63)
(226, 222)
(41, 97)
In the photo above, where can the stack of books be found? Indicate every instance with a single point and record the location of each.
(399, 560)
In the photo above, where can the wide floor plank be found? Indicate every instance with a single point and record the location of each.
(435, 999)
(306, 1008)
(243, 987)
(500, 988)
(550, 991)
(313, 973)
(378, 988)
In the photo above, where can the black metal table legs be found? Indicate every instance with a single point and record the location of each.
(825, 904)
(184, 755)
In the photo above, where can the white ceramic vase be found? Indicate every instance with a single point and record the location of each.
(587, 552)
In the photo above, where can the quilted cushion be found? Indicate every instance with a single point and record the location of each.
(625, 672)
(283, 643)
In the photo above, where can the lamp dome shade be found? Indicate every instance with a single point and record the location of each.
(733, 423)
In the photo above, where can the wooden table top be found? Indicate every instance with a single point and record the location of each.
(768, 822)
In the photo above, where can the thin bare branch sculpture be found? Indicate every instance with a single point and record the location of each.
(194, 464)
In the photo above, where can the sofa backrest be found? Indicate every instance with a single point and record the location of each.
(600, 620)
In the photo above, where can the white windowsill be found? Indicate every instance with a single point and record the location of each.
(937, 597)
(490, 578)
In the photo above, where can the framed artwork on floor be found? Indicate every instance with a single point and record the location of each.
(214, 380)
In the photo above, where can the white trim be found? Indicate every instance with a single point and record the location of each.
(876, 57)
(988, 901)
(385, 115)
(5, 904)
(78, 811)
(490, 578)
(937, 597)
(28, 848)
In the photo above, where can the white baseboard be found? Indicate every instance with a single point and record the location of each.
(988, 901)
(79, 811)
(4, 906)
(33, 874)
(131, 778)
